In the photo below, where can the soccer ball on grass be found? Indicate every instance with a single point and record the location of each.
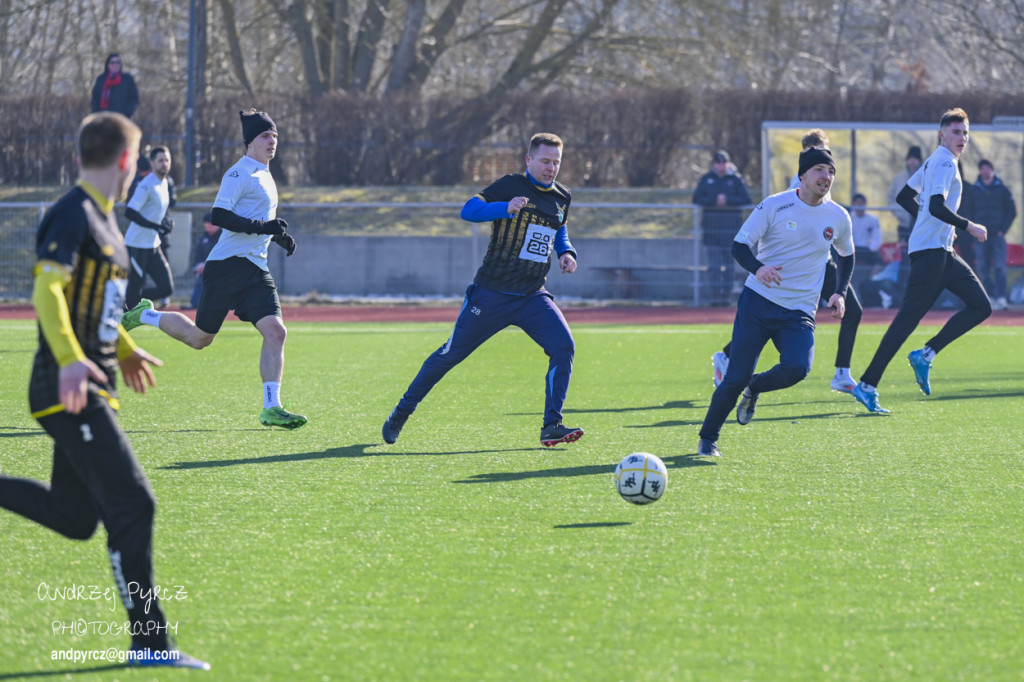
(641, 478)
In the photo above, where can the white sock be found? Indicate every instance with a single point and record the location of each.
(929, 354)
(271, 394)
(842, 372)
(151, 317)
(867, 388)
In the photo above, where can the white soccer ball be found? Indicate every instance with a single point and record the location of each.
(641, 478)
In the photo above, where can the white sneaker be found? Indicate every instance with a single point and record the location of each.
(1000, 303)
(720, 361)
(843, 384)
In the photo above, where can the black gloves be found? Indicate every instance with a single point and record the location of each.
(276, 227)
(284, 240)
(166, 225)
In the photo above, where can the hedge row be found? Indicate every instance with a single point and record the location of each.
(616, 138)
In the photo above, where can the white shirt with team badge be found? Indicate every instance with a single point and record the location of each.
(784, 231)
(247, 190)
(151, 200)
(937, 175)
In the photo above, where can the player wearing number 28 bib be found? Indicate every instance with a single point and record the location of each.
(528, 213)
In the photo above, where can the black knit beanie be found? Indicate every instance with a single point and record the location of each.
(812, 157)
(254, 124)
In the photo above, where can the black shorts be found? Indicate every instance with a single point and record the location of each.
(235, 284)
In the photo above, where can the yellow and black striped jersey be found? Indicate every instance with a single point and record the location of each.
(518, 255)
(76, 234)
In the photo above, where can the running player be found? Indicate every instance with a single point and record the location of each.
(236, 276)
(793, 231)
(528, 213)
(78, 296)
(932, 195)
(842, 380)
(147, 209)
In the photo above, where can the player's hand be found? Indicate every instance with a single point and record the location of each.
(285, 241)
(838, 305)
(137, 372)
(276, 227)
(567, 263)
(979, 232)
(769, 275)
(166, 225)
(517, 204)
(74, 384)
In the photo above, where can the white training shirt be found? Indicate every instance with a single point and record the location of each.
(249, 191)
(937, 175)
(784, 231)
(151, 200)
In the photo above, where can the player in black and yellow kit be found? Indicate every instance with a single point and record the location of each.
(79, 290)
(528, 213)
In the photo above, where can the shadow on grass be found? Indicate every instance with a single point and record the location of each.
(677, 462)
(671, 405)
(968, 395)
(56, 673)
(757, 418)
(18, 432)
(597, 524)
(361, 450)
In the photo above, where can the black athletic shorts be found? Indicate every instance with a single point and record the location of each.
(235, 284)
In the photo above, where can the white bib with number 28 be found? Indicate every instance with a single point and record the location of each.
(538, 243)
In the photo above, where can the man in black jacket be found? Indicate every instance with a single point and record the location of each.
(721, 193)
(994, 208)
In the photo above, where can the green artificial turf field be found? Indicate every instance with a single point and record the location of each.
(827, 543)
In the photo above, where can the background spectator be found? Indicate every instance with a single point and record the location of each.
(994, 208)
(720, 193)
(867, 238)
(115, 90)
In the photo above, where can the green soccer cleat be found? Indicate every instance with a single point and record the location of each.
(278, 416)
(133, 318)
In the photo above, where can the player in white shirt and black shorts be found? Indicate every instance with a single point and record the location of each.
(794, 232)
(147, 209)
(236, 276)
(932, 195)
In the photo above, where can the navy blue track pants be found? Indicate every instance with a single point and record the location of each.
(484, 313)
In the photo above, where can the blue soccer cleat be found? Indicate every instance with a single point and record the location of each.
(921, 369)
(868, 399)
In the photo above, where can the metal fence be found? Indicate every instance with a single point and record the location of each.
(627, 252)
